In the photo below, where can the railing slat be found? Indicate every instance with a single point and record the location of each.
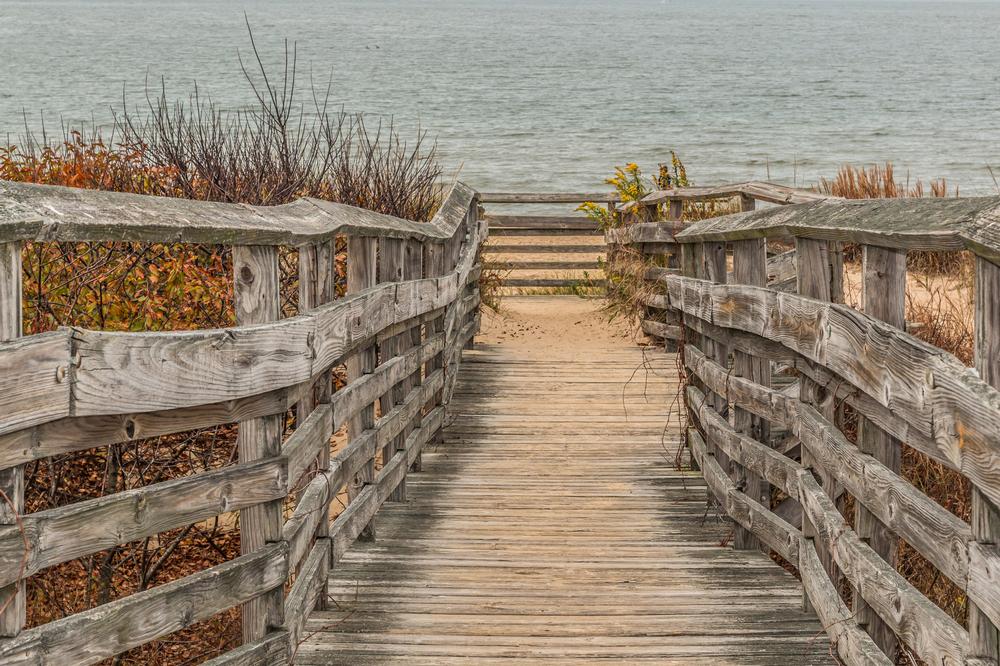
(12, 597)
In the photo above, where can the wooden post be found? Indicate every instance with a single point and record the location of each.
(433, 266)
(675, 209)
(390, 269)
(814, 279)
(984, 640)
(257, 298)
(750, 268)
(361, 262)
(317, 280)
(11, 479)
(883, 297)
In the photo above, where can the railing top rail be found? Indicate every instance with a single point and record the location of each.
(547, 197)
(931, 224)
(55, 213)
(760, 190)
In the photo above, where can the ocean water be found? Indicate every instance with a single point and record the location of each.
(550, 94)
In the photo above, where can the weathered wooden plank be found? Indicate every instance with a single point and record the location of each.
(930, 224)
(751, 515)
(102, 632)
(661, 330)
(551, 265)
(546, 197)
(543, 248)
(539, 222)
(54, 213)
(584, 282)
(555, 232)
(852, 644)
(763, 191)
(936, 533)
(257, 300)
(928, 630)
(310, 583)
(14, 610)
(83, 528)
(646, 232)
(750, 266)
(362, 256)
(984, 565)
(275, 648)
(35, 377)
(308, 441)
(925, 386)
(883, 297)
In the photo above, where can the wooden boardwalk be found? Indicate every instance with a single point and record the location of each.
(553, 525)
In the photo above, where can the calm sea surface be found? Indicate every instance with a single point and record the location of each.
(550, 94)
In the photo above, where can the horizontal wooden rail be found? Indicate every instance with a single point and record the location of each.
(546, 197)
(75, 389)
(904, 391)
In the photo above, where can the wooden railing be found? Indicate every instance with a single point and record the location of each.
(735, 329)
(412, 304)
(649, 230)
(546, 249)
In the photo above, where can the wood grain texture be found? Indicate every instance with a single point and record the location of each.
(54, 213)
(102, 632)
(930, 224)
(926, 387)
(257, 300)
(12, 617)
(535, 533)
(984, 614)
(749, 190)
(883, 293)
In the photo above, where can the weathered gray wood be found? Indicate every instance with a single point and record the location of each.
(546, 248)
(12, 598)
(747, 513)
(93, 635)
(539, 222)
(361, 274)
(924, 386)
(413, 268)
(434, 264)
(660, 330)
(557, 232)
(257, 300)
(750, 190)
(35, 378)
(985, 618)
(305, 593)
(275, 648)
(750, 266)
(76, 530)
(645, 232)
(551, 265)
(931, 224)
(54, 213)
(925, 628)
(853, 646)
(391, 262)
(546, 197)
(583, 282)
(884, 298)
(814, 280)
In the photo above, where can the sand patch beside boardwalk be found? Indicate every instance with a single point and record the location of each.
(554, 323)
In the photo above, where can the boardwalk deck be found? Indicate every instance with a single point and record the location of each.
(552, 525)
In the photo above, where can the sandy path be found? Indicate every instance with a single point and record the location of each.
(554, 323)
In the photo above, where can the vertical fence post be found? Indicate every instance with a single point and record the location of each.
(433, 266)
(814, 280)
(883, 296)
(11, 479)
(983, 635)
(412, 270)
(390, 269)
(317, 280)
(750, 268)
(257, 298)
(361, 263)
